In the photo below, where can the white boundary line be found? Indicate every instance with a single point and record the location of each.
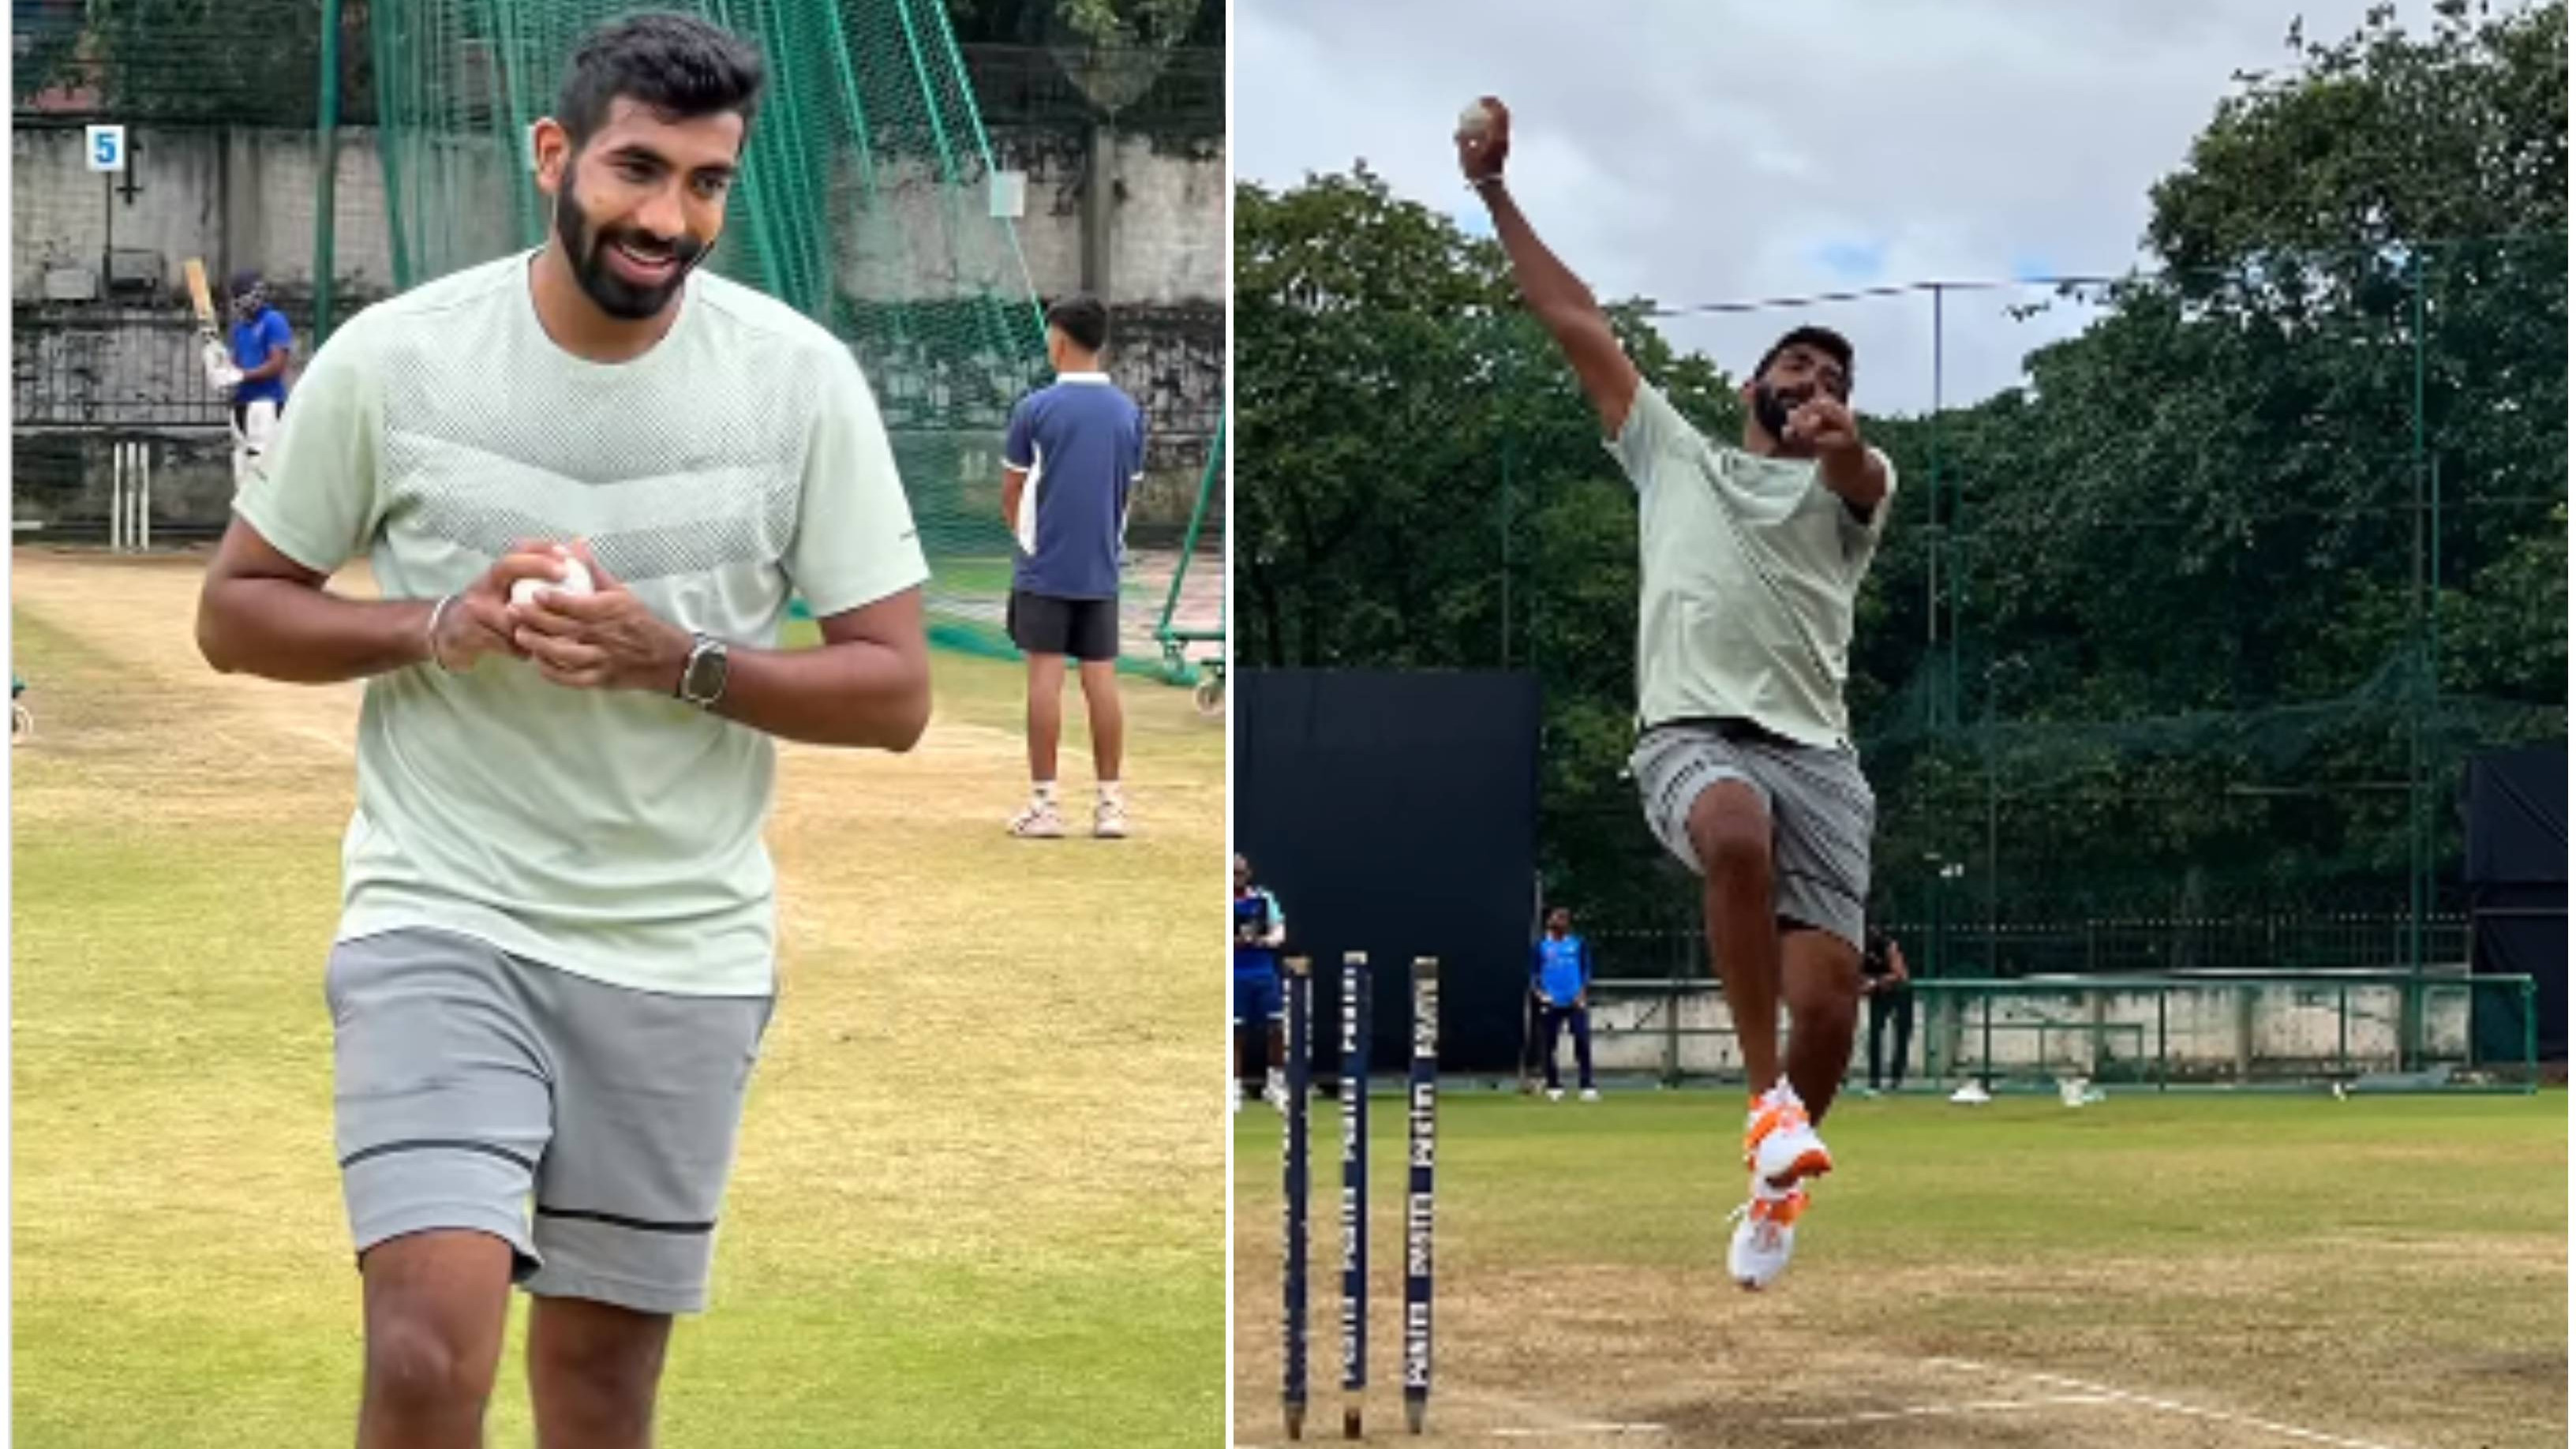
(2086, 1391)
(1930, 1411)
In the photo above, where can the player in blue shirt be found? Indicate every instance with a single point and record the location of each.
(262, 346)
(1260, 929)
(1075, 451)
(1561, 978)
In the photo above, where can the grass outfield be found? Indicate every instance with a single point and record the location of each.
(2205, 1270)
(980, 1198)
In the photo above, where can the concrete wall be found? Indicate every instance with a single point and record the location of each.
(236, 198)
(246, 198)
(1167, 233)
(2211, 1032)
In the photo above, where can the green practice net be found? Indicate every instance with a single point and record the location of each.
(868, 200)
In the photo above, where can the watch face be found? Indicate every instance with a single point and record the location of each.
(705, 679)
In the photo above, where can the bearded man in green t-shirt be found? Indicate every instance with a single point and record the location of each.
(586, 479)
(1750, 557)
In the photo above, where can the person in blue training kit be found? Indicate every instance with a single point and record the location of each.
(1561, 979)
(1075, 451)
(1260, 929)
(262, 346)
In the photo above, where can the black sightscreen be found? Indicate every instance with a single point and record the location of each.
(1397, 813)
(2517, 878)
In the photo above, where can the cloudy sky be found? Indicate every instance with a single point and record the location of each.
(1709, 151)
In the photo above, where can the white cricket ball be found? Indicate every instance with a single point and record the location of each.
(1475, 122)
(576, 580)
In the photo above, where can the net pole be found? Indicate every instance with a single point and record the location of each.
(518, 84)
(2417, 862)
(1949, 537)
(869, 187)
(1994, 880)
(390, 78)
(2433, 616)
(984, 147)
(1503, 517)
(1198, 517)
(326, 182)
(2530, 1035)
(1932, 501)
(813, 162)
(939, 136)
(782, 272)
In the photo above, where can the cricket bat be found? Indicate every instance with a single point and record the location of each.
(200, 295)
(220, 371)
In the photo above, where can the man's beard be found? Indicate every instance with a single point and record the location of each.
(613, 294)
(1772, 410)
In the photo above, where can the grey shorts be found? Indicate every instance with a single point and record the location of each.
(1821, 808)
(469, 1082)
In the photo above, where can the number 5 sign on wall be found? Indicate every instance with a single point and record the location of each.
(107, 148)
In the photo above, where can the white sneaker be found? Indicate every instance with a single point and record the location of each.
(1038, 820)
(1590, 1095)
(1780, 1145)
(1556, 1094)
(1971, 1095)
(1109, 820)
(1766, 1230)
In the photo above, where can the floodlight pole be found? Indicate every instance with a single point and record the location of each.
(326, 173)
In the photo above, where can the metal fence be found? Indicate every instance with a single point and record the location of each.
(90, 367)
(2382, 1030)
(1971, 950)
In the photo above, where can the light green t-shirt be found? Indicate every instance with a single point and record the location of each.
(615, 834)
(1749, 568)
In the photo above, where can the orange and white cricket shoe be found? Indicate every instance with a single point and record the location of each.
(1766, 1229)
(1780, 1144)
(1782, 1150)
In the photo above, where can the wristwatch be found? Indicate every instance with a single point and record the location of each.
(702, 679)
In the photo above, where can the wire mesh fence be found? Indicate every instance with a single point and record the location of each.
(871, 200)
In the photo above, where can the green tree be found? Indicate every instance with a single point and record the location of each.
(1419, 485)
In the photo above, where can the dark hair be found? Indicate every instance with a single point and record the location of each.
(678, 65)
(1083, 318)
(1824, 339)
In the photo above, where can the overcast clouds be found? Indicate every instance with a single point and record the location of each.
(1714, 150)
